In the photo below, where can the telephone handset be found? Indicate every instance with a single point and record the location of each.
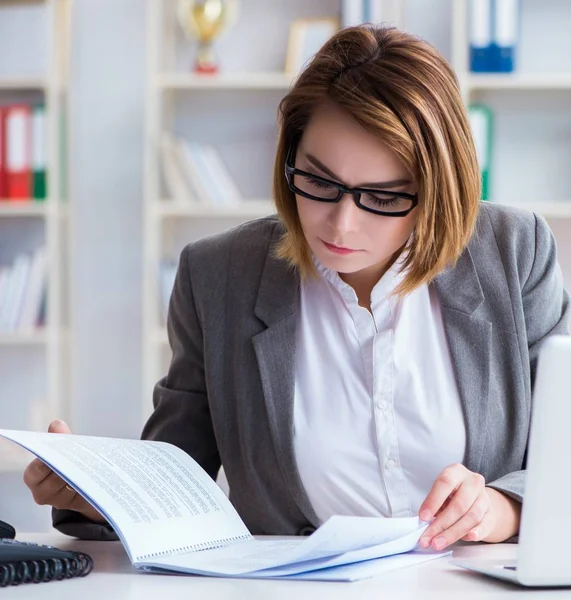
(7, 531)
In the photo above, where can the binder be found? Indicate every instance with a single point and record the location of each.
(375, 11)
(39, 152)
(18, 124)
(3, 182)
(481, 42)
(481, 123)
(367, 17)
(506, 33)
(352, 12)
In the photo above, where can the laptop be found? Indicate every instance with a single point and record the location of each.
(543, 557)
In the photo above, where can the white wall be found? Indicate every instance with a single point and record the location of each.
(108, 73)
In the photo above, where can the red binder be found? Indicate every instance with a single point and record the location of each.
(3, 182)
(18, 135)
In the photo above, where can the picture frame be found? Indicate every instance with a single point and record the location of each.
(306, 36)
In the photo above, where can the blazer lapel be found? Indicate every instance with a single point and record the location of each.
(469, 339)
(275, 352)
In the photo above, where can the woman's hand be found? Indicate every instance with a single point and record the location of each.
(463, 508)
(49, 488)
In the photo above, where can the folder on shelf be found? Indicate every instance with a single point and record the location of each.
(352, 12)
(506, 32)
(481, 123)
(18, 125)
(481, 43)
(3, 182)
(39, 153)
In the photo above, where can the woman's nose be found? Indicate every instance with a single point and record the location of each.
(345, 215)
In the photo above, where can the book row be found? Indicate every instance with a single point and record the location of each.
(23, 287)
(195, 173)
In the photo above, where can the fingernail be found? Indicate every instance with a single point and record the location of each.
(439, 543)
(424, 542)
(425, 515)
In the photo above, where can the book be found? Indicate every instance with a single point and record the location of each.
(172, 517)
(168, 270)
(481, 123)
(29, 316)
(229, 191)
(24, 562)
(14, 292)
(176, 185)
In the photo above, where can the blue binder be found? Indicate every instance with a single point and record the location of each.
(480, 24)
(506, 21)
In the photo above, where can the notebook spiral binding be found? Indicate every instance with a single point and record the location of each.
(51, 569)
(197, 547)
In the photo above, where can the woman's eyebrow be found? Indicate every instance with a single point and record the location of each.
(376, 184)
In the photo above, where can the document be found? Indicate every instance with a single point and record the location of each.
(172, 517)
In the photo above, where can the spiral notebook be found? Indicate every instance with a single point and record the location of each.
(23, 562)
(172, 517)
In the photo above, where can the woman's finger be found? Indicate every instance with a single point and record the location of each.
(45, 491)
(460, 503)
(473, 519)
(35, 473)
(444, 485)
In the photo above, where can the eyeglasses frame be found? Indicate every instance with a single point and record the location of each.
(355, 193)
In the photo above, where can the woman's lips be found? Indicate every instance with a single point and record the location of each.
(338, 249)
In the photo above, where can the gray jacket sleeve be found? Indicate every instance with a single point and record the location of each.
(181, 416)
(546, 311)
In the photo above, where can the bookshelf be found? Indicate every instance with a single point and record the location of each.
(532, 113)
(33, 361)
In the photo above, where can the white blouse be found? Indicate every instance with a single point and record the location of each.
(377, 414)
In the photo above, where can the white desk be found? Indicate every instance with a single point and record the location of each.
(113, 577)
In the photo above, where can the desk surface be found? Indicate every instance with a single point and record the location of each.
(113, 577)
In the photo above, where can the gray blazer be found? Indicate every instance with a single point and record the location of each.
(228, 395)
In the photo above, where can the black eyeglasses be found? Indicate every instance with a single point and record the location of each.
(314, 187)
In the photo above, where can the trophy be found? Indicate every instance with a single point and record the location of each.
(206, 20)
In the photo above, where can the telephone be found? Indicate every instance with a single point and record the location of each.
(7, 531)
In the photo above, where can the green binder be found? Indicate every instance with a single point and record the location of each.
(481, 122)
(39, 152)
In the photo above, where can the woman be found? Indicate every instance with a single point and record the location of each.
(372, 349)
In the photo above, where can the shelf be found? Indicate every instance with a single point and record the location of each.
(232, 81)
(518, 81)
(168, 209)
(23, 83)
(21, 338)
(10, 208)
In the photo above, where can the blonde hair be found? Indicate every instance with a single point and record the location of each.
(400, 88)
